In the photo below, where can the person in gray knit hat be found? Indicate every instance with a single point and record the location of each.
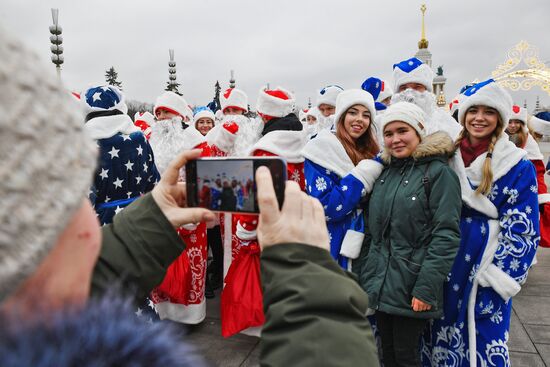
(52, 250)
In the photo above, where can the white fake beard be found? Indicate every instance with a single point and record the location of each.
(325, 122)
(248, 134)
(311, 129)
(167, 140)
(425, 100)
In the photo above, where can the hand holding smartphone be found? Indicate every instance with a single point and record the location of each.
(228, 184)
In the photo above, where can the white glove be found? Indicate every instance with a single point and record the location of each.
(367, 171)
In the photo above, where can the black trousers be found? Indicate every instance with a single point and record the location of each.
(215, 269)
(400, 338)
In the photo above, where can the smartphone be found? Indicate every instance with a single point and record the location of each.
(229, 184)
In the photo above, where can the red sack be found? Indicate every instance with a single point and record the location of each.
(176, 285)
(242, 298)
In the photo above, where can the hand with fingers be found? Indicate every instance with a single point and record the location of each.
(170, 195)
(419, 306)
(301, 220)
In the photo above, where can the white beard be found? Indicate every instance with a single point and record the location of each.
(325, 122)
(167, 140)
(425, 100)
(311, 130)
(248, 134)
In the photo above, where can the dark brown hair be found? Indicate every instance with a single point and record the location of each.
(364, 147)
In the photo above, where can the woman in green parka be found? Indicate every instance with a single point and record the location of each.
(413, 232)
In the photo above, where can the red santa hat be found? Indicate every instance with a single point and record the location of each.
(144, 120)
(235, 98)
(518, 113)
(172, 102)
(276, 102)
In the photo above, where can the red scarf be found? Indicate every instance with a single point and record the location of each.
(471, 151)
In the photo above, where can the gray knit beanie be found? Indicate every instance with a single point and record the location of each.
(47, 161)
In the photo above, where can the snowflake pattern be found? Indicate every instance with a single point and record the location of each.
(339, 207)
(494, 192)
(345, 188)
(483, 229)
(295, 176)
(515, 264)
(320, 184)
(534, 189)
(467, 258)
(528, 209)
(512, 193)
(469, 220)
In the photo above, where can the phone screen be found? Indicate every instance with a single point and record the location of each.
(228, 184)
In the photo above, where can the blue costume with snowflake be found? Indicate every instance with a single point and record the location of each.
(327, 174)
(499, 237)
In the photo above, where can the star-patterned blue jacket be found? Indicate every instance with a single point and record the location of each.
(126, 170)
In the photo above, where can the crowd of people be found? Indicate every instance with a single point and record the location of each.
(406, 229)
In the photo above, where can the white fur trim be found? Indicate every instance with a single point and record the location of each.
(227, 241)
(476, 201)
(329, 96)
(367, 171)
(221, 138)
(245, 234)
(505, 156)
(385, 92)
(544, 198)
(192, 138)
(502, 283)
(107, 126)
(423, 74)
(121, 105)
(204, 114)
(190, 314)
(520, 115)
(283, 143)
(276, 107)
(174, 102)
(237, 98)
(190, 226)
(146, 117)
(540, 126)
(532, 148)
(351, 244)
(351, 97)
(327, 151)
(491, 95)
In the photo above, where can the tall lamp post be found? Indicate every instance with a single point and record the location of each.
(172, 70)
(56, 39)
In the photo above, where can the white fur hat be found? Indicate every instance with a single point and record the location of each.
(385, 91)
(203, 112)
(276, 102)
(313, 111)
(455, 104)
(412, 71)
(173, 103)
(539, 125)
(234, 97)
(406, 112)
(328, 95)
(47, 162)
(351, 97)
(519, 113)
(487, 93)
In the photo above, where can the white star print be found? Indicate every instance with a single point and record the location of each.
(107, 199)
(140, 150)
(126, 137)
(129, 194)
(139, 312)
(138, 180)
(129, 165)
(103, 173)
(105, 88)
(118, 209)
(118, 182)
(114, 152)
(96, 96)
(145, 167)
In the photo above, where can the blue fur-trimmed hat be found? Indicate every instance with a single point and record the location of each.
(379, 90)
(412, 71)
(487, 93)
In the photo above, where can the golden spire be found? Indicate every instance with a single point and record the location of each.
(423, 43)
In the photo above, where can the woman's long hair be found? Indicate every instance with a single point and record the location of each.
(364, 147)
(519, 138)
(484, 187)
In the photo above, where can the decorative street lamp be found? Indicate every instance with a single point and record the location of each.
(172, 70)
(232, 80)
(56, 39)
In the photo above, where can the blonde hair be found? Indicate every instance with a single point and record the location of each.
(484, 187)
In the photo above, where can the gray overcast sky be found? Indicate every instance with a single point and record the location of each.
(301, 44)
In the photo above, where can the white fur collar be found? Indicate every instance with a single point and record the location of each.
(107, 126)
(327, 151)
(532, 148)
(283, 143)
(193, 138)
(505, 156)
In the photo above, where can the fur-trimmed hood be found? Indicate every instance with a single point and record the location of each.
(436, 144)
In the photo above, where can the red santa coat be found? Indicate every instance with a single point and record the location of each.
(180, 296)
(242, 300)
